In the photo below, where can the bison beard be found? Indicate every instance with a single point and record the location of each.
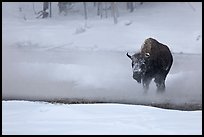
(152, 62)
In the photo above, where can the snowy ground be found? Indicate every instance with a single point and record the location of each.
(38, 118)
(66, 58)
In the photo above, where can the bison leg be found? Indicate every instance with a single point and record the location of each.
(160, 83)
(160, 87)
(145, 83)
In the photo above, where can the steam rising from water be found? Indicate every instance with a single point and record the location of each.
(94, 75)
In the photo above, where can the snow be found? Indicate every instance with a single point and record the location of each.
(66, 57)
(40, 118)
(175, 24)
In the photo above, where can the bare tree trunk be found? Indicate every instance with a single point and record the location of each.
(106, 8)
(99, 9)
(44, 11)
(130, 6)
(116, 9)
(34, 8)
(85, 11)
(45, 6)
(114, 12)
(50, 10)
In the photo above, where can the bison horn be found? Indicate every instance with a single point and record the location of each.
(129, 55)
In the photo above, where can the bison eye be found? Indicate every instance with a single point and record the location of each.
(147, 55)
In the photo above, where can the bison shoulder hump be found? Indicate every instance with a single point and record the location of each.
(148, 45)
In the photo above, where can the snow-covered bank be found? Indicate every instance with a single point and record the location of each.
(173, 23)
(38, 118)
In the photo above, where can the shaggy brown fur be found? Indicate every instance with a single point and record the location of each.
(153, 61)
(159, 53)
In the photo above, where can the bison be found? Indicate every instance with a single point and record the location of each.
(152, 62)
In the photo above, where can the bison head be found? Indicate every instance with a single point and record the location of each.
(139, 65)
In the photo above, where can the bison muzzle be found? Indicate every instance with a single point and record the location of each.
(152, 62)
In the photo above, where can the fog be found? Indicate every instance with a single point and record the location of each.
(100, 76)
